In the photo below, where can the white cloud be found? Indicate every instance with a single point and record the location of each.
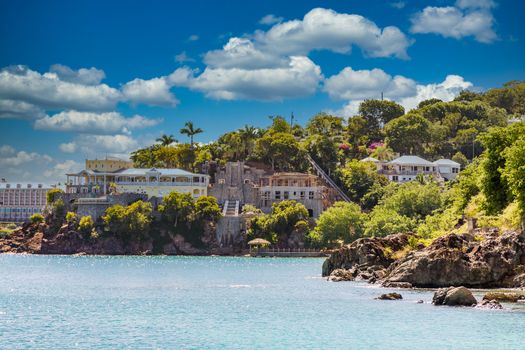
(59, 170)
(193, 37)
(93, 123)
(48, 91)
(19, 110)
(69, 147)
(467, 18)
(326, 29)
(6, 150)
(84, 76)
(398, 4)
(352, 84)
(242, 53)
(365, 86)
(110, 144)
(154, 92)
(300, 78)
(270, 19)
(183, 57)
(14, 158)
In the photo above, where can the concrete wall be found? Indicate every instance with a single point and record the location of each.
(162, 190)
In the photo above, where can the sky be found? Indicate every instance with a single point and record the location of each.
(86, 79)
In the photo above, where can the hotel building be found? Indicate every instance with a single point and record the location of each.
(19, 201)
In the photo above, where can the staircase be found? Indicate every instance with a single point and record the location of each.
(321, 173)
(231, 208)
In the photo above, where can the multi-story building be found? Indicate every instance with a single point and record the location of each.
(103, 176)
(19, 201)
(407, 168)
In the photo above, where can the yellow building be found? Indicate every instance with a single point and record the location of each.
(109, 164)
(152, 182)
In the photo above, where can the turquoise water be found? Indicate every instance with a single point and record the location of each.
(59, 302)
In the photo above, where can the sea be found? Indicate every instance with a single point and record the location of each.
(172, 302)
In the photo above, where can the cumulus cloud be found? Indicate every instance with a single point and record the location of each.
(91, 145)
(356, 86)
(183, 57)
(352, 84)
(300, 77)
(48, 91)
(93, 123)
(270, 19)
(154, 92)
(85, 76)
(60, 169)
(326, 29)
(69, 147)
(466, 18)
(20, 110)
(10, 157)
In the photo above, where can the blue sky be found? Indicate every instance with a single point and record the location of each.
(88, 78)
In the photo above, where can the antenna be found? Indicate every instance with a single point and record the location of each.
(381, 95)
(291, 120)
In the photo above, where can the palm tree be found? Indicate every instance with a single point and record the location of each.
(166, 140)
(248, 134)
(190, 130)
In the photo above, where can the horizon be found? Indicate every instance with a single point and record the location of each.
(73, 88)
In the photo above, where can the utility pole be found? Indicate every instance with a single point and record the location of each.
(381, 95)
(291, 120)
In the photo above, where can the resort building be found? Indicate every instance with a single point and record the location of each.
(407, 168)
(102, 177)
(19, 201)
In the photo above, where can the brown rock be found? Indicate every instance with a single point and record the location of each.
(390, 296)
(454, 296)
(490, 304)
(341, 275)
(508, 297)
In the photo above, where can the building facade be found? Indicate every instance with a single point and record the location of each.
(151, 182)
(19, 201)
(407, 168)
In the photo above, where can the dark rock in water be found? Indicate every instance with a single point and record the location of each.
(490, 304)
(505, 297)
(389, 284)
(460, 260)
(420, 301)
(341, 275)
(365, 252)
(390, 296)
(454, 296)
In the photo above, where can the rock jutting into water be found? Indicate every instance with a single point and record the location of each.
(390, 296)
(454, 296)
(504, 297)
(451, 260)
(490, 304)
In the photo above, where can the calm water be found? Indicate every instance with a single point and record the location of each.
(58, 302)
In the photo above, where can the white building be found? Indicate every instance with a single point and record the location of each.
(407, 168)
(19, 201)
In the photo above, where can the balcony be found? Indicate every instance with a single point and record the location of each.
(171, 184)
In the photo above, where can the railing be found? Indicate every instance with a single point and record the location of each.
(138, 183)
(288, 252)
(405, 172)
(225, 208)
(324, 176)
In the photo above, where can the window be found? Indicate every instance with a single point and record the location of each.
(395, 178)
(266, 195)
(277, 194)
(455, 170)
(311, 195)
(286, 195)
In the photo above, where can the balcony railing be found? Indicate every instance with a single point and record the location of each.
(139, 183)
(405, 172)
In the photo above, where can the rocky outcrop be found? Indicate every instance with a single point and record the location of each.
(339, 275)
(365, 256)
(504, 297)
(390, 296)
(490, 304)
(454, 296)
(460, 260)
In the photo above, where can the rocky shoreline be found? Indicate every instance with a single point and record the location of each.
(479, 260)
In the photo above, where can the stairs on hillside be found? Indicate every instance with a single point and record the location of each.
(230, 208)
(321, 173)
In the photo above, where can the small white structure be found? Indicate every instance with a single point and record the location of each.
(447, 168)
(407, 168)
(377, 162)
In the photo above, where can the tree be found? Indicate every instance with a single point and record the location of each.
(358, 178)
(247, 136)
(166, 140)
(380, 112)
(190, 131)
(281, 150)
(428, 102)
(460, 158)
(177, 208)
(36, 218)
(71, 217)
(85, 225)
(342, 222)
(408, 134)
(383, 222)
(325, 124)
(414, 200)
(206, 208)
(129, 222)
(52, 195)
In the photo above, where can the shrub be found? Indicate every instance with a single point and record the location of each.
(36, 218)
(383, 222)
(342, 222)
(71, 217)
(206, 208)
(51, 195)
(129, 222)
(85, 224)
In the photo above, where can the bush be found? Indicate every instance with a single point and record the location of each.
(85, 224)
(51, 195)
(129, 222)
(71, 217)
(177, 207)
(383, 222)
(415, 200)
(343, 222)
(36, 218)
(206, 208)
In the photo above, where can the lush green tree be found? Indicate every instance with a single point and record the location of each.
(469, 96)
(460, 158)
(343, 222)
(166, 140)
(380, 112)
(129, 222)
(514, 171)
(247, 136)
(71, 217)
(280, 150)
(279, 124)
(358, 178)
(383, 222)
(146, 157)
(414, 200)
(323, 150)
(177, 208)
(511, 97)
(190, 130)
(428, 102)
(325, 124)
(206, 208)
(408, 134)
(85, 225)
(52, 195)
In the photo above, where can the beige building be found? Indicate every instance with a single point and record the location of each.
(19, 201)
(151, 182)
